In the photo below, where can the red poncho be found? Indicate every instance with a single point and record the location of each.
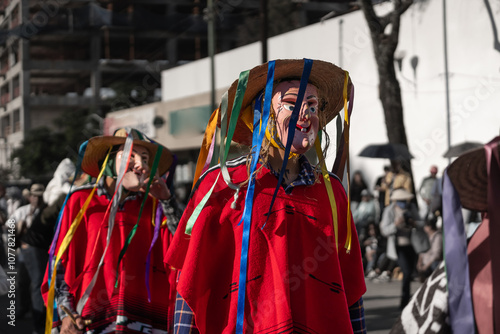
(296, 281)
(127, 306)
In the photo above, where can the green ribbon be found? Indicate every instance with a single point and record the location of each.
(224, 145)
(134, 229)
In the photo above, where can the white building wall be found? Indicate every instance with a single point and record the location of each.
(474, 81)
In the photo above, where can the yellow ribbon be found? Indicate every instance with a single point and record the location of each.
(64, 245)
(207, 142)
(329, 190)
(271, 135)
(346, 140)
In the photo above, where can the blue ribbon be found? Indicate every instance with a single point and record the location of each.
(258, 137)
(291, 127)
(456, 261)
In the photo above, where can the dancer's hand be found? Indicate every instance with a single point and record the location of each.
(158, 188)
(68, 327)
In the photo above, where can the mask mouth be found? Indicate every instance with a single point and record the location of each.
(303, 129)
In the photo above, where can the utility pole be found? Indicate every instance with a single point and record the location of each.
(210, 17)
(448, 128)
(264, 29)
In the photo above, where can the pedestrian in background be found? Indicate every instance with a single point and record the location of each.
(366, 211)
(381, 191)
(430, 191)
(428, 261)
(397, 222)
(397, 178)
(357, 185)
(31, 260)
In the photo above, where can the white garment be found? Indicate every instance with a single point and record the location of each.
(60, 181)
(23, 216)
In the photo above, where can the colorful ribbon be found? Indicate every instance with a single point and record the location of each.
(259, 129)
(329, 189)
(156, 218)
(341, 156)
(206, 146)
(224, 146)
(235, 112)
(156, 161)
(347, 112)
(291, 126)
(64, 246)
(81, 153)
(456, 263)
(127, 152)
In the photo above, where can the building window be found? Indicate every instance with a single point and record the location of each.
(4, 95)
(15, 83)
(17, 120)
(191, 121)
(5, 126)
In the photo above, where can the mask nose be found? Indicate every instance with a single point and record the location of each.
(138, 163)
(305, 112)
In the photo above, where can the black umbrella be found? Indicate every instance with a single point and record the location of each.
(387, 151)
(456, 150)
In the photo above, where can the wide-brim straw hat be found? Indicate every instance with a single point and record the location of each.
(98, 147)
(327, 77)
(469, 176)
(401, 194)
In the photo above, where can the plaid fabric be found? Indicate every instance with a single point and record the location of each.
(357, 315)
(306, 175)
(183, 318)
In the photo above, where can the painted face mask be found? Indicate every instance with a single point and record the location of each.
(137, 170)
(284, 103)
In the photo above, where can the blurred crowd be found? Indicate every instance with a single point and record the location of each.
(399, 240)
(34, 210)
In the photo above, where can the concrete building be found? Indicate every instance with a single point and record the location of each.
(474, 79)
(69, 56)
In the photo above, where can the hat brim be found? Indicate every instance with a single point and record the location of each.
(98, 147)
(328, 78)
(470, 178)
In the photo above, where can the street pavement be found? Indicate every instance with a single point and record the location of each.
(381, 302)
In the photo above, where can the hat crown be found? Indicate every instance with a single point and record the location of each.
(136, 134)
(98, 147)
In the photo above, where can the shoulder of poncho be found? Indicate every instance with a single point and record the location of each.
(234, 163)
(336, 182)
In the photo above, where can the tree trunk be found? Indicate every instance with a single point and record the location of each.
(384, 46)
